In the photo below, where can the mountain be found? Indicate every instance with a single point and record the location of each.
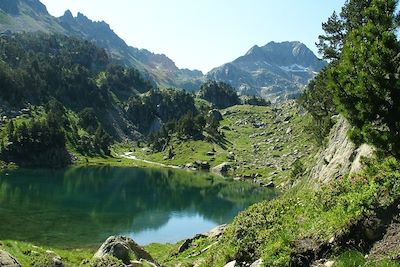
(32, 16)
(274, 71)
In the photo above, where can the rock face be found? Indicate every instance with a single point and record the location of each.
(340, 156)
(6, 260)
(123, 248)
(275, 71)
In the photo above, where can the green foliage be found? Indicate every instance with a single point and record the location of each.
(297, 170)
(365, 78)
(220, 94)
(318, 101)
(88, 120)
(102, 141)
(255, 101)
(271, 229)
(166, 105)
(124, 82)
(39, 142)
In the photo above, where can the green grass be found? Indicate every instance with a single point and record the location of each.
(271, 229)
(275, 154)
(357, 259)
(31, 255)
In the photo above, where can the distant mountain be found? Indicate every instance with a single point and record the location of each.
(32, 15)
(274, 71)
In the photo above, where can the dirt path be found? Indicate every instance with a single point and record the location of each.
(129, 155)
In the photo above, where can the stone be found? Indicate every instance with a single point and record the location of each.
(7, 260)
(230, 264)
(257, 263)
(289, 130)
(329, 264)
(124, 249)
(57, 262)
(210, 153)
(231, 156)
(216, 232)
(222, 168)
(340, 156)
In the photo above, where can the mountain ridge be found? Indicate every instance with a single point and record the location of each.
(274, 71)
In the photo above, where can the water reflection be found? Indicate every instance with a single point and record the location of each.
(80, 207)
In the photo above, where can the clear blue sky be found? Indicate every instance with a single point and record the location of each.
(202, 34)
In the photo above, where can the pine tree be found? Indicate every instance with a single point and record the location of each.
(366, 79)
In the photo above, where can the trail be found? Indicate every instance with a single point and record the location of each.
(129, 155)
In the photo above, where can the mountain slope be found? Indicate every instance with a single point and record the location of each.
(32, 15)
(275, 71)
(27, 15)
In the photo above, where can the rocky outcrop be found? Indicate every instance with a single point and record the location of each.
(124, 249)
(6, 260)
(341, 156)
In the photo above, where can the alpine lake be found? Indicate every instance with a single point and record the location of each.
(79, 207)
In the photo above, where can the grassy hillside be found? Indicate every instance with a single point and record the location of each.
(262, 142)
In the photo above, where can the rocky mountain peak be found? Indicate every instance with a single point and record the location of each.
(275, 71)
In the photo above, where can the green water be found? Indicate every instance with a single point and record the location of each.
(81, 207)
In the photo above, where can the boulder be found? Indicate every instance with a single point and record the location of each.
(216, 232)
(230, 264)
(6, 260)
(124, 249)
(57, 262)
(257, 263)
(222, 168)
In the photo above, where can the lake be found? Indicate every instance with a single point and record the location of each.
(81, 206)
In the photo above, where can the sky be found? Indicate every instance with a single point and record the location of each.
(203, 34)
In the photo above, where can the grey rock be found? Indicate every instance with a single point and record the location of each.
(216, 232)
(57, 262)
(257, 263)
(222, 169)
(123, 248)
(231, 156)
(7, 260)
(230, 264)
(341, 156)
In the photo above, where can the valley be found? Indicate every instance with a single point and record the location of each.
(111, 155)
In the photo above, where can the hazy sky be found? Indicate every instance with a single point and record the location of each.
(202, 34)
